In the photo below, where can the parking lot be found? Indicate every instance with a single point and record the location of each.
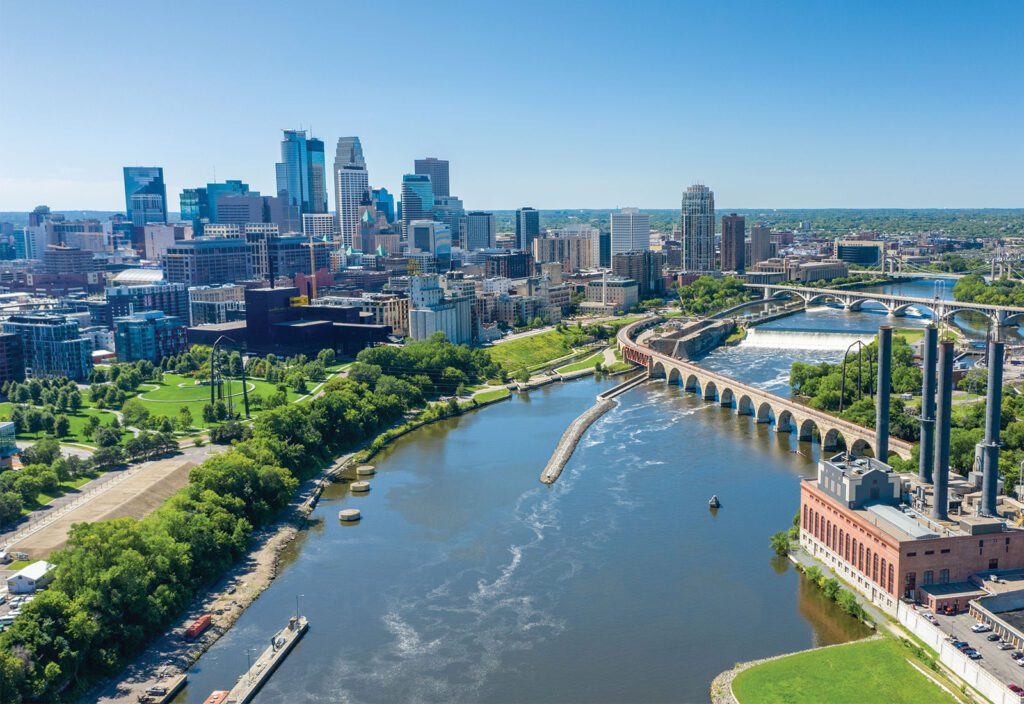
(996, 661)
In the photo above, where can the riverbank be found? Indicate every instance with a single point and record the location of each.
(230, 596)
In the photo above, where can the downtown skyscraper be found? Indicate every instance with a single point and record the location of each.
(733, 243)
(351, 187)
(417, 200)
(698, 228)
(437, 170)
(527, 228)
(145, 195)
(302, 172)
(631, 231)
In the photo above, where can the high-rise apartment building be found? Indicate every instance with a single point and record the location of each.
(302, 172)
(733, 242)
(698, 228)
(351, 184)
(527, 228)
(145, 195)
(319, 226)
(481, 231)
(51, 345)
(207, 260)
(644, 267)
(151, 336)
(417, 200)
(169, 298)
(437, 170)
(631, 231)
(760, 244)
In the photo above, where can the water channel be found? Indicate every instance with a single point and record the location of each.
(469, 581)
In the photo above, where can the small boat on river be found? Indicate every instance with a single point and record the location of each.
(714, 502)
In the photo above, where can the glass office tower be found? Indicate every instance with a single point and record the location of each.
(301, 173)
(145, 195)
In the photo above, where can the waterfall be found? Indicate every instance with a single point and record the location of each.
(759, 338)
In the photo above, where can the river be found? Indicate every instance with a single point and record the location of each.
(470, 581)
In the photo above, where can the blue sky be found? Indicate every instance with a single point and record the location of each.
(557, 104)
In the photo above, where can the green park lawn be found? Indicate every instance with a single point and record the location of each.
(588, 363)
(859, 673)
(492, 395)
(176, 392)
(911, 335)
(530, 351)
(77, 422)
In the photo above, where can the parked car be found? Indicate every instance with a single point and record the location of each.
(992, 637)
(1017, 655)
(1016, 689)
(981, 628)
(972, 654)
(1003, 645)
(963, 647)
(958, 644)
(931, 618)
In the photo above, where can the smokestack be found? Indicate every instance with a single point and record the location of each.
(927, 458)
(884, 387)
(940, 476)
(993, 415)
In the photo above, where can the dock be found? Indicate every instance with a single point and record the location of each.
(163, 691)
(280, 645)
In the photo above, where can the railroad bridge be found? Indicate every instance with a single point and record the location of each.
(784, 414)
(894, 305)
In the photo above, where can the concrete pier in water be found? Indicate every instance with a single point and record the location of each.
(280, 645)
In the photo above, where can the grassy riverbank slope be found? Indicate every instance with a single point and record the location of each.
(868, 671)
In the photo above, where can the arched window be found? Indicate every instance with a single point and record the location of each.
(891, 577)
(881, 574)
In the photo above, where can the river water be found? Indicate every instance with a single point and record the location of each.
(469, 581)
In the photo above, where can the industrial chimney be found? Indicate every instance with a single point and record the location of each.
(993, 414)
(931, 337)
(940, 476)
(884, 387)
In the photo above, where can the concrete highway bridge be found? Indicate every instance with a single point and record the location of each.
(894, 304)
(784, 414)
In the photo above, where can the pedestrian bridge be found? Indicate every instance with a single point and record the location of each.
(895, 305)
(783, 414)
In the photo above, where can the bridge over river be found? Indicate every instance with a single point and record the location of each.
(894, 304)
(785, 415)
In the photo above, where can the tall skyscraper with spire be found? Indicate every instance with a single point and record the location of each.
(302, 172)
(698, 228)
(351, 187)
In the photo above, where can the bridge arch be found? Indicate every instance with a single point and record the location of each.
(833, 440)
(825, 298)
(692, 383)
(902, 308)
(784, 422)
(710, 391)
(807, 429)
(657, 370)
(861, 448)
(744, 407)
(726, 397)
(765, 412)
(675, 377)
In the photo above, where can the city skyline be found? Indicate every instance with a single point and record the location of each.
(820, 120)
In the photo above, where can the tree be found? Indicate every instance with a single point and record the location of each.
(780, 543)
(208, 414)
(220, 410)
(62, 426)
(44, 452)
(134, 413)
(107, 437)
(184, 420)
(523, 375)
(166, 426)
(91, 424)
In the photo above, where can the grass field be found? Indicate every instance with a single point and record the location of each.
(76, 421)
(175, 392)
(911, 335)
(65, 487)
(530, 351)
(492, 395)
(862, 673)
(588, 363)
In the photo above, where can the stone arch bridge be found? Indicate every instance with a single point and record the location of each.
(784, 414)
(894, 305)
